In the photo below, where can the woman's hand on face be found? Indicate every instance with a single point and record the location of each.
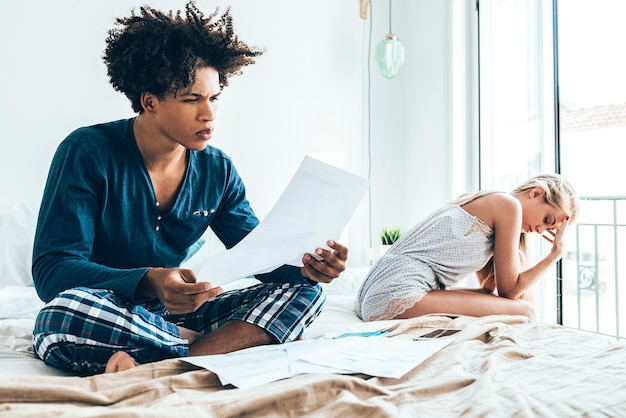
(556, 238)
(327, 265)
(177, 289)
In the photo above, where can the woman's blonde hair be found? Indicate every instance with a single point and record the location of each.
(558, 193)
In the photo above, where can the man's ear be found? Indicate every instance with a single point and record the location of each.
(148, 101)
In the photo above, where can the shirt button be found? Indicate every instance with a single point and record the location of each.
(157, 228)
(159, 218)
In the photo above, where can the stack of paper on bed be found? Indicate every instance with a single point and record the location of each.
(374, 356)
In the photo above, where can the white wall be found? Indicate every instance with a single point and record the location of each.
(306, 95)
(412, 117)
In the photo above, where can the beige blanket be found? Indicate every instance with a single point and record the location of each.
(498, 366)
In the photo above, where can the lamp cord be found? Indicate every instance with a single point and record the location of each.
(390, 17)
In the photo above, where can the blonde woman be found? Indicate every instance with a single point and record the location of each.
(481, 234)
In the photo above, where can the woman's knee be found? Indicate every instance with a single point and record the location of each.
(525, 308)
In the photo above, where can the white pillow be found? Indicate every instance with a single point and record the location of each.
(19, 302)
(17, 234)
(348, 283)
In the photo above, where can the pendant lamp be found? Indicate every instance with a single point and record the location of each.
(390, 53)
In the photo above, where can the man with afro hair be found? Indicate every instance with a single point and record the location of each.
(126, 201)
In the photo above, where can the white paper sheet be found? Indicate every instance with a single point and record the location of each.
(316, 206)
(374, 356)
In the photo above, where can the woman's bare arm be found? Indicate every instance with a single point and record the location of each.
(511, 280)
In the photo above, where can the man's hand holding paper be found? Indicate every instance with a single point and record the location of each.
(325, 265)
(315, 207)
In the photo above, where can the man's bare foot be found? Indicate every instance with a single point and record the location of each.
(119, 362)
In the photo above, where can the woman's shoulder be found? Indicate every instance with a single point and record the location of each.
(492, 206)
(482, 195)
(499, 201)
(497, 196)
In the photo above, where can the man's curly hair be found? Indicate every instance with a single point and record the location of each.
(159, 52)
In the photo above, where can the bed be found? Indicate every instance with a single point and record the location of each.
(496, 366)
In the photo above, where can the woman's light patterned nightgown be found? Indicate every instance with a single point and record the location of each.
(437, 253)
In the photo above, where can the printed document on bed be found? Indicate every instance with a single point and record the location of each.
(373, 356)
(316, 206)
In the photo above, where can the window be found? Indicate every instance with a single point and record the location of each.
(517, 120)
(592, 109)
(519, 138)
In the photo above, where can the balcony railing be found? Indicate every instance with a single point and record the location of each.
(593, 299)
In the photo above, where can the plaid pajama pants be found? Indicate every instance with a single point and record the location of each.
(81, 328)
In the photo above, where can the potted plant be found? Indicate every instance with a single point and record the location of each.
(388, 235)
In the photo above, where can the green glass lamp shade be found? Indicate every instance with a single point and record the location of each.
(390, 56)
